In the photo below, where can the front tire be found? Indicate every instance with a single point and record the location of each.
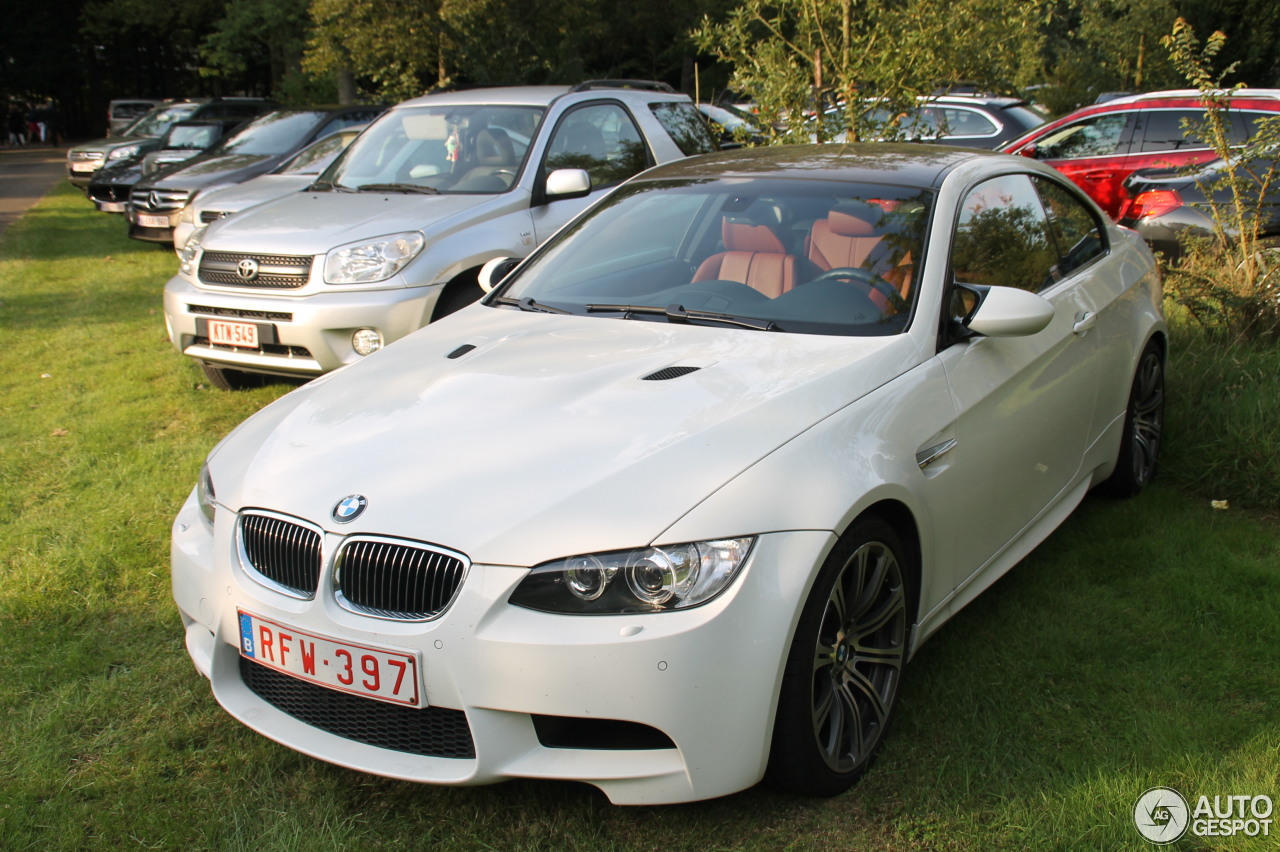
(844, 669)
(1143, 428)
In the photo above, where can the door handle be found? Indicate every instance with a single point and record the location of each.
(1084, 322)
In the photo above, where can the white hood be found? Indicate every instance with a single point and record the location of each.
(314, 222)
(546, 435)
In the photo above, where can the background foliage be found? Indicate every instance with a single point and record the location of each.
(81, 53)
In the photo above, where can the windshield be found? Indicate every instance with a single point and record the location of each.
(812, 257)
(156, 122)
(271, 134)
(449, 149)
(317, 156)
(191, 137)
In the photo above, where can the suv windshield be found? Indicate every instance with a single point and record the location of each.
(812, 257)
(449, 149)
(273, 133)
(156, 122)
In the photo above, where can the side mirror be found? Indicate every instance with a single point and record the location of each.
(1010, 312)
(1030, 151)
(492, 273)
(568, 183)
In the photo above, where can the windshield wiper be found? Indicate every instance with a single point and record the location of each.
(677, 313)
(329, 186)
(527, 304)
(398, 187)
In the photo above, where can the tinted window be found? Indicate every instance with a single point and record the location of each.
(347, 119)
(1169, 129)
(602, 139)
(964, 122)
(686, 127)
(1003, 238)
(1097, 136)
(1077, 233)
(273, 133)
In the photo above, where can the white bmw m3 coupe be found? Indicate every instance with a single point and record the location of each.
(671, 508)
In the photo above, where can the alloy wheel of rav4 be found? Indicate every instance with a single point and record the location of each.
(845, 666)
(1143, 427)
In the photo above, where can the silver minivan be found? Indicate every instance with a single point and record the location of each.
(393, 235)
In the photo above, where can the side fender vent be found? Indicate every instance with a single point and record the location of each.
(667, 373)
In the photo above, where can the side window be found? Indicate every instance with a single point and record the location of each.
(1077, 233)
(1167, 130)
(1002, 237)
(686, 127)
(601, 138)
(1097, 136)
(965, 122)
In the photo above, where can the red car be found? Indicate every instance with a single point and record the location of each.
(1098, 146)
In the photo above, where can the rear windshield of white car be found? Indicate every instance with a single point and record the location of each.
(812, 257)
(440, 149)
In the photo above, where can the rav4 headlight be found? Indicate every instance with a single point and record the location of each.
(374, 260)
(190, 253)
(648, 579)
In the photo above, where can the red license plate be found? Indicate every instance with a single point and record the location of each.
(379, 673)
(233, 333)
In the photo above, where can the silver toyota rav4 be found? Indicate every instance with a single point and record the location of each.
(394, 233)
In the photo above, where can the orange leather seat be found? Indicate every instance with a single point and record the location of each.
(753, 256)
(845, 238)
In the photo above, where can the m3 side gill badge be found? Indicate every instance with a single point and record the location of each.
(349, 508)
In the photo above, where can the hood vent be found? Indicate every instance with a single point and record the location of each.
(667, 373)
(460, 351)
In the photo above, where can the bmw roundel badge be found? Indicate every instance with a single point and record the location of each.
(349, 508)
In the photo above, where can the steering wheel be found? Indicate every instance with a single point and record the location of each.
(863, 276)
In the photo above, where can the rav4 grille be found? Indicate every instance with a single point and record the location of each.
(268, 271)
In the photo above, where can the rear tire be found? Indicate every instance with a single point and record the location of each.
(1143, 428)
(845, 666)
(225, 378)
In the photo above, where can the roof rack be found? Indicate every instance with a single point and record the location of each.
(646, 85)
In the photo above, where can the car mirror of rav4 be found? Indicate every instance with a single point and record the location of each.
(568, 183)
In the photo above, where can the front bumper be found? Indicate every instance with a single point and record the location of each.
(703, 680)
(303, 336)
(151, 226)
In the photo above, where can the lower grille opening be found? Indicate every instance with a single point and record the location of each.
(608, 734)
(429, 731)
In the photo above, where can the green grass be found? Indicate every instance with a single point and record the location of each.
(1136, 648)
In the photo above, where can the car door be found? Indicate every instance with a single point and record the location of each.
(1092, 153)
(600, 137)
(1023, 404)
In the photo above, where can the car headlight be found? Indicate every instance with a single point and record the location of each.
(648, 579)
(204, 494)
(190, 253)
(374, 260)
(124, 152)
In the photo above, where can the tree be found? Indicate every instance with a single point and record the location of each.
(258, 43)
(795, 57)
